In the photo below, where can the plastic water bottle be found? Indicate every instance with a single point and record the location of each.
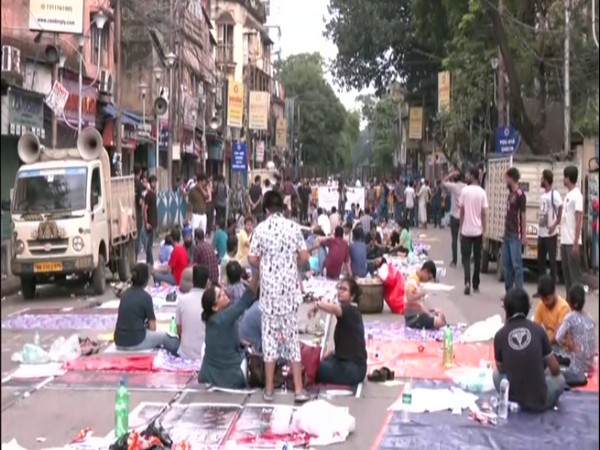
(406, 401)
(448, 346)
(503, 402)
(121, 410)
(36, 339)
(173, 327)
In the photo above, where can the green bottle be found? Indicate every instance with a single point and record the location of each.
(121, 410)
(173, 327)
(448, 346)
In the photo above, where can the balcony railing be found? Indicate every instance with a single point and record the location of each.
(225, 54)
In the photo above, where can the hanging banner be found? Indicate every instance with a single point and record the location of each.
(443, 91)
(281, 133)
(415, 123)
(260, 151)
(328, 197)
(258, 114)
(57, 16)
(239, 158)
(235, 104)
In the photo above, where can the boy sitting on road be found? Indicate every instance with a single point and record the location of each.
(416, 314)
(552, 309)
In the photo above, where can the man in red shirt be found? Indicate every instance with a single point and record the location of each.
(338, 254)
(205, 255)
(171, 273)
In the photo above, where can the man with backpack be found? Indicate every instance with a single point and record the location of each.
(549, 219)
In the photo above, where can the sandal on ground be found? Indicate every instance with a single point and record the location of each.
(268, 396)
(301, 397)
(388, 374)
(377, 376)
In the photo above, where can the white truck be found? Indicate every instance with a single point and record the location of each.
(69, 216)
(531, 169)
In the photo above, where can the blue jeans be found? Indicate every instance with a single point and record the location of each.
(148, 246)
(555, 387)
(336, 371)
(512, 262)
(162, 277)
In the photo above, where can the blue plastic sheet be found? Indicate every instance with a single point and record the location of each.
(574, 425)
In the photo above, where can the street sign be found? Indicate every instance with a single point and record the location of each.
(507, 140)
(57, 98)
(239, 158)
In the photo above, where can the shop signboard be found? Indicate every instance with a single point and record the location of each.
(57, 16)
(23, 112)
(239, 158)
(88, 106)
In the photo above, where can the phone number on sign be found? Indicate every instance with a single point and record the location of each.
(51, 7)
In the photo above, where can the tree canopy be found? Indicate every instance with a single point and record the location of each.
(323, 127)
(412, 40)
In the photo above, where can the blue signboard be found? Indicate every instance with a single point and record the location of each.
(239, 158)
(507, 140)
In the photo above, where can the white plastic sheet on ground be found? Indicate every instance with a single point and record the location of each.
(482, 331)
(327, 424)
(472, 379)
(434, 400)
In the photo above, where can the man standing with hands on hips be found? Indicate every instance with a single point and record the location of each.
(570, 229)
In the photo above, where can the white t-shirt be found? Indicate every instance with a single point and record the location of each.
(473, 200)
(549, 205)
(573, 204)
(409, 197)
(324, 224)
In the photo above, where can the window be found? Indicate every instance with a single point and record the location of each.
(96, 42)
(225, 48)
(96, 191)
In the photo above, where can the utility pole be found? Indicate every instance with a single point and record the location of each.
(54, 117)
(172, 97)
(567, 144)
(118, 40)
(501, 82)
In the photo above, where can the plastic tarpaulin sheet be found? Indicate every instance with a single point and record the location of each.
(128, 363)
(574, 425)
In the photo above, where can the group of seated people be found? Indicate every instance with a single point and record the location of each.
(540, 357)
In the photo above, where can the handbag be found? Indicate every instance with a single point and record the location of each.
(256, 372)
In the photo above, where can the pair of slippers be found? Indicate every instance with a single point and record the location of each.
(381, 375)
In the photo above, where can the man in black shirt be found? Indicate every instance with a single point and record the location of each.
(139, 212)
(374, 242)
(304, 192)
(522, 352)
(255, 194)
(151, 218)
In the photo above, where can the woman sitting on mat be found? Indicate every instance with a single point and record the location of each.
(224, 364)
(136, 323)
(347, 365)
(575, 335)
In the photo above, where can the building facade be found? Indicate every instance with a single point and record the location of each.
(33, 56)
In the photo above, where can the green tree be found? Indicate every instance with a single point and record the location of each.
(320, 118)
(381, 115)
(348, 140)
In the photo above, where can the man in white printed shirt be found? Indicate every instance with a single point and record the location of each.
(570, 229)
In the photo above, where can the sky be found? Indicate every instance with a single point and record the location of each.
(302, 25)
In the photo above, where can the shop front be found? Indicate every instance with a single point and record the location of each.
(129, 125)
(22, 112)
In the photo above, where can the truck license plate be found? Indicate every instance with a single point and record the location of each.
(48, 267)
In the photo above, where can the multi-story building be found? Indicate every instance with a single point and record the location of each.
(244, 53)
(153, 31)
(40, 45)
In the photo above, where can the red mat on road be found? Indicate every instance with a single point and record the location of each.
(129, 363)
(424, 359)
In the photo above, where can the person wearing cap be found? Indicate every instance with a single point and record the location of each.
(416, 314)
(552, 309)
(188, 242)
(188, 315)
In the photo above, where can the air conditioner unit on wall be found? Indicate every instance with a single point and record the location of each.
(11, 59)
(105, 82)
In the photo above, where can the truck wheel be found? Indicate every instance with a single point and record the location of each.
(485, 261)
(124, 263)
(99, 277)
(28, 288)
(499, 267)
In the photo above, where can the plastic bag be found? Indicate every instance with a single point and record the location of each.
(328, 424)
(63, 349)
(34, 354)
(473, 379)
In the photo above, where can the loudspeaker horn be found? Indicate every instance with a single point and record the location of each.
(29, 148)
(89, 144)
(160, 106)
(52, 54)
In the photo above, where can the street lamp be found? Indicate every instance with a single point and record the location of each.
(169, 61)
(143, 90)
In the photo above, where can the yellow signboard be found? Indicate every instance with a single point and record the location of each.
(235, 104)
(443, 91)
(281, 133)
(258, 114)
(415, 123)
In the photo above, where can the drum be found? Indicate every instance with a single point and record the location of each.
(371, 297)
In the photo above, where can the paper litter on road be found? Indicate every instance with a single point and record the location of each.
(30, 371)
(437, 287)
(484, 330)
(435, 400)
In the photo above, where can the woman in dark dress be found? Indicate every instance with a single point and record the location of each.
(347, 365)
